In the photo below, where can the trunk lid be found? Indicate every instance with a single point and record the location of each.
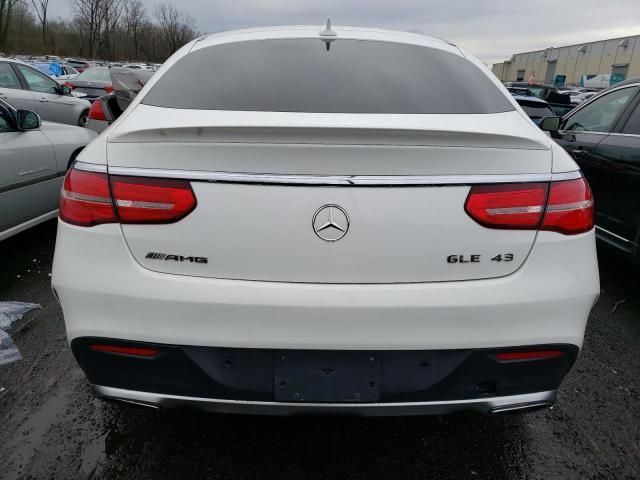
(266, 182)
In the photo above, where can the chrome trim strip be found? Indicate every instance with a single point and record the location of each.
(340, 180)
(483, 405)
(90, 167)
(613, 234)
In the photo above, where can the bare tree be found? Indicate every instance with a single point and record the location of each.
(41, 8)
(96, 20)
(176, 27)
(6, 10)
(134, 20)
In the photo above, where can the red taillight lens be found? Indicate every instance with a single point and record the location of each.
(137, 351)
(108, 89)
(513, 205)
(85, 199)
(570, 207)
(565, 206)
(151, 200)
(532, 355)
(97, 112)
(71, 85)
(90, 198)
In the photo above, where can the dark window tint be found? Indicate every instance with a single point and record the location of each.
(351, 77)
(5, 122)
(633, 123)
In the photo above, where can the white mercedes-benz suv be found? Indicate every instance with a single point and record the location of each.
(307, 219)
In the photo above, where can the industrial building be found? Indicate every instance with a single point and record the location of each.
(588, 64)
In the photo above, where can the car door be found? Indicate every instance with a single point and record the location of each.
(619, 158)
(29, 185)
(12, 90)
(583, 130)
(52, 106)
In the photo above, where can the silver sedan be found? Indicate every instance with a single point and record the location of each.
(25, 87)
(34, 157)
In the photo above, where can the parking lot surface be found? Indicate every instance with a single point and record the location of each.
(52, 427)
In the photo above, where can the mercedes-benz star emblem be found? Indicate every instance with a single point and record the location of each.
(331, 223)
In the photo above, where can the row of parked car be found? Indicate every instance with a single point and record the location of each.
(30, 86)
(603, 135)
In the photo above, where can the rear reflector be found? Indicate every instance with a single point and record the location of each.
(108, 89)
(151, 200)
(91, 198)
(565, 207)
(85, 199)
(138, 351)
(534, 355)
(97, 112)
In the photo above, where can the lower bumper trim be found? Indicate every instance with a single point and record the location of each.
(490, 405)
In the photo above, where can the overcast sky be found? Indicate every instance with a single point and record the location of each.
(491, 29)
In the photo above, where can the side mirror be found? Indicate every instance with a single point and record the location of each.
(550, 124)
(65, 90)
(27, 120)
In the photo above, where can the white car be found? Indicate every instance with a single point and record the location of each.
(348, 220)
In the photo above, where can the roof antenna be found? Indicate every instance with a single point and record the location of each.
(328, 32)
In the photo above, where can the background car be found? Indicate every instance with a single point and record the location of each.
(93, 82)
(34, 157)
(560, 103)
(126, 85)
(79, 65)
(603, 136)
(26, 88)
(534, 107)
(579, 97)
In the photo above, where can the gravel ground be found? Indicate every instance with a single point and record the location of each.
(52, 427)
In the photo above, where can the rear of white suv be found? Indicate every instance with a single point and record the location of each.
(285, 221)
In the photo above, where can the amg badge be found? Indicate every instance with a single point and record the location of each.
(176, 258)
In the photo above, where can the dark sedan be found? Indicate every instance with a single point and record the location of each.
(93, 83)
(603, 136)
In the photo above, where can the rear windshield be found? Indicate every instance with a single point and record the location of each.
(301, 75)
(96, 74)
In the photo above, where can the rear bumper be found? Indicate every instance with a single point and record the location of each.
(105, 293)
(492, 405)
(335, 381)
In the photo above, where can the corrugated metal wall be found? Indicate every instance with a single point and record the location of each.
(574, 61)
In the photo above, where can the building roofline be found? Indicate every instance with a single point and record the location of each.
(569, 46)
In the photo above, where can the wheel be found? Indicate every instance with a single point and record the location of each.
(84, 119)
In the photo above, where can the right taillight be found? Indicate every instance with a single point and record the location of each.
(569, 208)
(563, 206)
(91, 198)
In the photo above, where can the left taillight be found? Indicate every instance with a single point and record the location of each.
(151, 200)
(93, 198)
(85, 199)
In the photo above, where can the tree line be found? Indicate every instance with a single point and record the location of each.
(96, 29)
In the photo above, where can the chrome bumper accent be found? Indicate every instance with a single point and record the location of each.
(339, 180)
(483, 405)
